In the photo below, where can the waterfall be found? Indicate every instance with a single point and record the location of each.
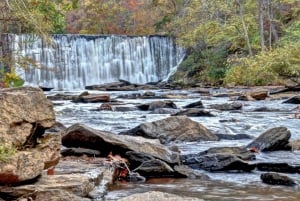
(75, 61)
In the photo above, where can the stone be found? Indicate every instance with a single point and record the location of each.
(22, 111)
(277, 179)
(136, 159)
(194, 112)
(79, 135)
(271, 140)
(157, 104)
(22, 166)
(260, 94)
(233, 137)
(92, 98)
(227, 106)
(105, 106)
(293, 100)
(197, 104)
(218, 162)
(157, 196)
(154, 168)
(171, 129)
(278, 167)
(240, 152)
(245, 97)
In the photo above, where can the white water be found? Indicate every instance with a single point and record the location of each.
(75, 61)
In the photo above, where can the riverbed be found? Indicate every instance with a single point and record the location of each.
(220, 186)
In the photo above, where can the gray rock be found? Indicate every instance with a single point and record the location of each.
(277, 179)
(175, 128)
(154, 168)
(272, 139)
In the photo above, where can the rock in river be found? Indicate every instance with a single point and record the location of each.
(277, 179)
(272, 139)
(79, 135)
(174, 128)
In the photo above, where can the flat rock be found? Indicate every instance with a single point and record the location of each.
(157, 104)
(197, 104)
(272, 139)
(171, 129)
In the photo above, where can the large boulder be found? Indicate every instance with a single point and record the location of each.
(79, 135)
(25, 115)
(156, 168)
(174, 128)
(272, 139)
(24, 112)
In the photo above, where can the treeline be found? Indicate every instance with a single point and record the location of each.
(241, 42)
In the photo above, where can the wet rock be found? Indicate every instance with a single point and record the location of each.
(79, 135)
(233, 137)
(194, 112)
(156, 195)
(272, 139)
(124, 108)
(197, 104)
(278, 167)
(227, 106)
(157, 104)
(265, 109)
(260, 94)
(277, 179)
(186, 171)
(61, 97)
(218, 162)
(293, 100)
(80, 152)
(171, 129)
(93, 98)
(154, 168)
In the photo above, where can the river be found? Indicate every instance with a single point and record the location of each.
(220, 186)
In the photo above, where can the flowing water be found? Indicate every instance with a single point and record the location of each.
(221, 186)
(75, 61)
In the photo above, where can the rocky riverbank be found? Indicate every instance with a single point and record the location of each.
(51, 162)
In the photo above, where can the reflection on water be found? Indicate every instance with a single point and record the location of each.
(222, 186)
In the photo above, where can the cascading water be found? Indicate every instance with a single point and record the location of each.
(76, 61)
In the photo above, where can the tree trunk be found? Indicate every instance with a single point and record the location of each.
(261, 23)
(241, 13)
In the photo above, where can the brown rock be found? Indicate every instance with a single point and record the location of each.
(259, 94)
(23, 110)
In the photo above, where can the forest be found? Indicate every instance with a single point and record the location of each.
(227, 42)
